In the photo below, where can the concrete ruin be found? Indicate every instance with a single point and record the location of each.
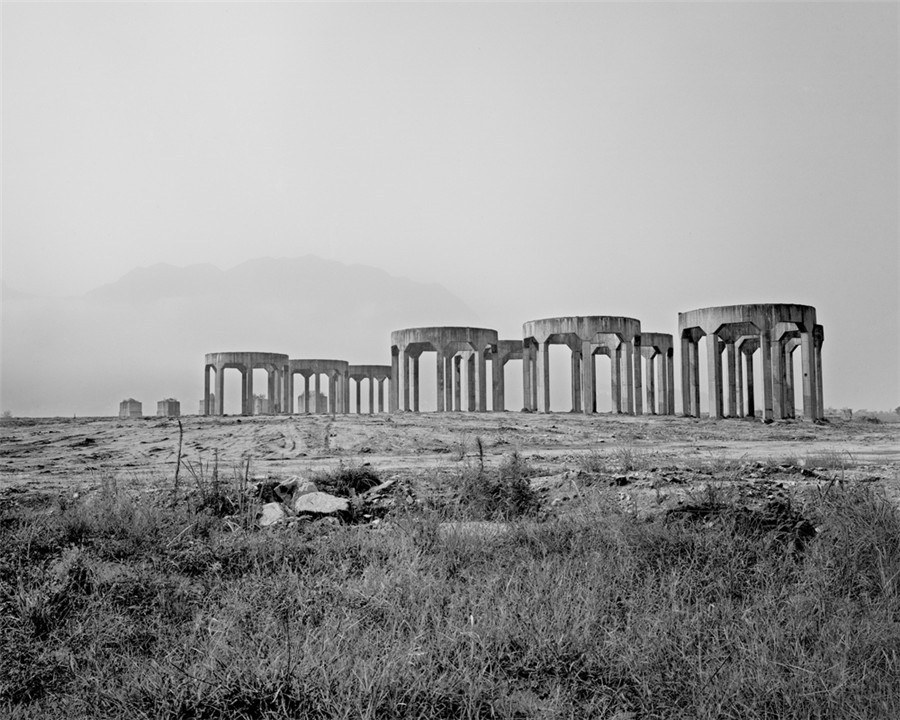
(658, 352)
(736, 332)
(642, 367)
(169, 407)
(373, 375)
(336, 374)
(130, 408)
(586, 337)
(453, 345)
(322, 378)
(276, 365)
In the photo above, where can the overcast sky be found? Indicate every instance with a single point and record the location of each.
(536, 159)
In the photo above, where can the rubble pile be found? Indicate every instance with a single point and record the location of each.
(296, 499)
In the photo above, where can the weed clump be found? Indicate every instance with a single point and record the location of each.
(346, 481)
(502, 494)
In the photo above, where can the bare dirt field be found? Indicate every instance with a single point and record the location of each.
(647, 464)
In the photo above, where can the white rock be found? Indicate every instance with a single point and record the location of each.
(320, 503)
(269, 514)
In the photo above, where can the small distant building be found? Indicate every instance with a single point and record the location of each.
(212, 405)
(318, 403)
(260, 405)
(169, 407)
(130, 408)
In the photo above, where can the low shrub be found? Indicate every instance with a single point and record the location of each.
(347, 480)
(501, 494)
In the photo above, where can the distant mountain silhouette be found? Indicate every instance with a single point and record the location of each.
(145, 335)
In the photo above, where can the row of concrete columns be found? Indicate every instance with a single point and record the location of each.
(281, 373)
(641, 364)
(374, 375)
(472, 348)
(733, 335)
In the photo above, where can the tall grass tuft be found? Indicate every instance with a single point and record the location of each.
(501, 494)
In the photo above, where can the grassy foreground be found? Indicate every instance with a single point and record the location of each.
(119, 607)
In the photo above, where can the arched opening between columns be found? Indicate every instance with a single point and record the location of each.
(232, 395)
(513, 397)
(561, 396)
(261, 400)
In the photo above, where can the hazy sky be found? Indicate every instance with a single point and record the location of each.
(537, 159)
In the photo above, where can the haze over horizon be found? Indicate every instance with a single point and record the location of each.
(533, 160)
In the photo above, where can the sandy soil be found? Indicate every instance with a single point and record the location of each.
(646, 463)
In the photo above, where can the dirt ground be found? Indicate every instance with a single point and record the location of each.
(646, 464)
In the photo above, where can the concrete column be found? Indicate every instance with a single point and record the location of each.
(415, 383)
(789, 400)
(380, 395)
(739, 383)
(588, 402)
(543, 377)
(635, 350)
(394, 398)
(662, 384)
(615, 357)
(270, 390)
(732, 379)
(714, 373)
(247, 399)
(695, 376)
(439, 381)
(358, 395)
(405, 364)
(481, 378)
(651, 386)
(628, 364)
(751, 390)
(448, 382)
(527, 391)
(289, 391)
(206, 390)
(765, 354)
(576, 380)
(219, 400)
(317, 389)
(371, 395)
(498, 403)
(670, 382)
(776, 357)
(810, 383)
(820, 397)
(457, 382)
(331, 395)
(470, 382)
(306, 394)
(686, 407)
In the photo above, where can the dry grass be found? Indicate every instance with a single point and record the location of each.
(119, 607)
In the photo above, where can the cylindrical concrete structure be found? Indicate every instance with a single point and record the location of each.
(336, 373)
(373, 374)
(586, 336)
(736, 332)
(273, 363)
(450, 343)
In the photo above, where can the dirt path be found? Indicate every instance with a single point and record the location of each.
(49, 456)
